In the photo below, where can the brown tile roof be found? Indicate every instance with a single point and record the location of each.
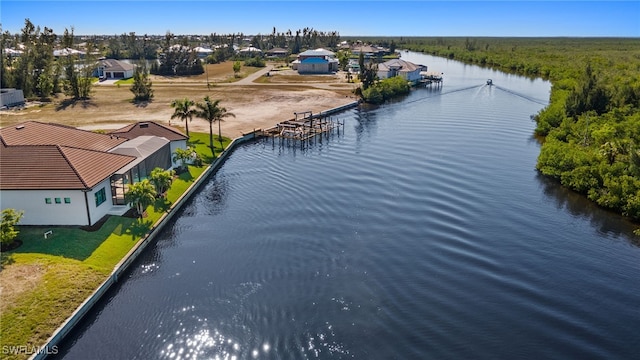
(37, 133)
(277, 51)
(400, 65)
(364, 49)
(29, 167)
(149, 128)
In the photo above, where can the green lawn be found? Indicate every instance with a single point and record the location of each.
(128, 81)
(200, 141)
(73, 262)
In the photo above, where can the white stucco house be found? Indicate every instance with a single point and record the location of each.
(114, 69)
(60, 175)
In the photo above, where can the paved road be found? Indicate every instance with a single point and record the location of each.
(249, 79)
(107, 82)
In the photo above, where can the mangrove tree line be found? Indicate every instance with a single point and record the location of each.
(590, 131)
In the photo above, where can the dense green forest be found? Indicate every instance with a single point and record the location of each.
(590, 131)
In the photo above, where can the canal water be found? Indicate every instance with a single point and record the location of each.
(420, 231)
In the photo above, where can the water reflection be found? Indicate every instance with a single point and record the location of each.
(578, 205)
(216, 194)
(366, 127)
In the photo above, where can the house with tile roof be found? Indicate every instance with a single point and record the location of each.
(277, 53)
(60, 175)
(396, 67)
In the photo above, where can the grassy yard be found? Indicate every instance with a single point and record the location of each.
(45, 280)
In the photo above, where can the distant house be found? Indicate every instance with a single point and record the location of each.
(11, 97)
(396, 67)
(353, 67)
(277, 53)
(114, 69)
(319, 61)
(250, 51)
(202, 52)
(67, 52)
(60, 175)
(366, 50)
(12, 53)
(344, 45)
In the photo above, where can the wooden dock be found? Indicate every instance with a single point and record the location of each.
(430, 78)
(303, 127)
(307, 125)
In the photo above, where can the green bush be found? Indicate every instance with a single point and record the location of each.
(386, 89)
(255, 62)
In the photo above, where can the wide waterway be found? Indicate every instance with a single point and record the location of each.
(421, 231)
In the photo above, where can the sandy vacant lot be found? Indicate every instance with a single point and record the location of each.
(257, 101)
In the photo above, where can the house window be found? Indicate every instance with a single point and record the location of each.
(100, 197)
(67, 200)
(58, 201)
(47, 200)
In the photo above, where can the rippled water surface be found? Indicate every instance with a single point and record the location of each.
(420, 231)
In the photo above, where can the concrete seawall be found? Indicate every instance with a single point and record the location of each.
(338, 109)
(58, 336)
(64, 329)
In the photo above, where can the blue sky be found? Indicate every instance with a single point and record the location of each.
(349, 18)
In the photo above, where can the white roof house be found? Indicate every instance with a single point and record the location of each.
(202, 51)
(67, 52)
(318, 61)
(320, 52)
(12, 52)
(250, 50)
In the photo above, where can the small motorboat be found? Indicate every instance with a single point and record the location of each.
(489, 82)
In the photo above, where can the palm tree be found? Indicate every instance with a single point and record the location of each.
(141, 195)
(183, 111)
(211, 111)
(610, 150)
(184, 155)
(161, 179)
